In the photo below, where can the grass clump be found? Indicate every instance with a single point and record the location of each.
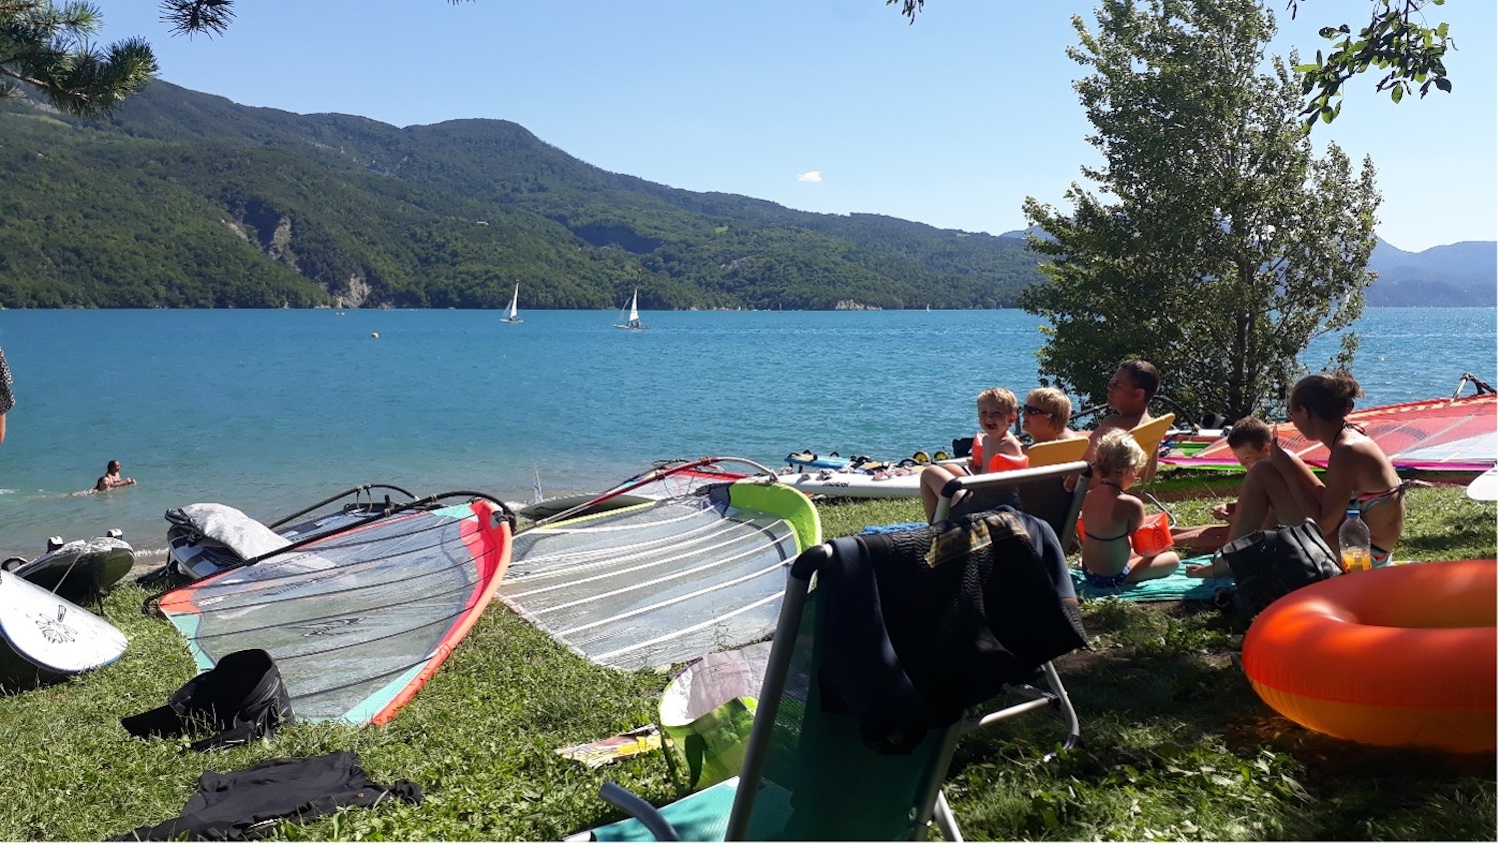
(1177, 746)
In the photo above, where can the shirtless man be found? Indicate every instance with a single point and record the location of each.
(1130, 388)
(111, 478)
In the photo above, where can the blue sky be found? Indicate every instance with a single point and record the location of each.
(824, 105)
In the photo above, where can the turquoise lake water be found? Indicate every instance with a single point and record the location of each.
(271, 411)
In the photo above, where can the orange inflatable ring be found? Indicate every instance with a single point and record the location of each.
(1400, 655)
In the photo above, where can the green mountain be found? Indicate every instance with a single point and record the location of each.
(184, 199)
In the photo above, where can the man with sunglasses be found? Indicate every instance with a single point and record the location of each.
(1130, 388)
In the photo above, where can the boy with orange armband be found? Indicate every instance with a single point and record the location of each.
(996, 448)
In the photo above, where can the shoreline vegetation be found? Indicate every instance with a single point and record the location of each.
(1176, 744)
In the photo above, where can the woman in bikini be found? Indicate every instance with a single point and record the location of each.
(1110, 515)
(1359, 475)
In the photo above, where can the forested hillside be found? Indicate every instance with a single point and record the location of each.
(186, 199)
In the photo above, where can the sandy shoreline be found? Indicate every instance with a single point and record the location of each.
(145, 561)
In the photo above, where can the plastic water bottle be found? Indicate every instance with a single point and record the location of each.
(1354, 542)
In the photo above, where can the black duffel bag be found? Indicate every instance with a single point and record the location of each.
(1269, 563)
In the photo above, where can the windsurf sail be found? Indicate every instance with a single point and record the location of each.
(207, 537)
(1435, 435)
(662, 582)
(358, 620)
(663, 481)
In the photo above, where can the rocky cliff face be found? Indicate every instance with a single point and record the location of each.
(356, 291)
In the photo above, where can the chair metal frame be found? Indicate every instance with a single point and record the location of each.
(773, 686)
(799, 584)
(1055, 695)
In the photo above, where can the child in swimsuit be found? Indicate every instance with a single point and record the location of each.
(996, 448)
(1359, 474)
(1110, 515)
(1250, 441)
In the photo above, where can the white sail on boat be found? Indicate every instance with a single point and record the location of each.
(634, 320)
(513, 297)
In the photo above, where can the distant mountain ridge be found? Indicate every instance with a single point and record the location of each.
(189, 199)
(206, 202)
(1460, 274)
(1463, 274)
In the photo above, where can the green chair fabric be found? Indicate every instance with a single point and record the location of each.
(808, 773)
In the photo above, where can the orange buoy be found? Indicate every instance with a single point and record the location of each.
(1400, 655)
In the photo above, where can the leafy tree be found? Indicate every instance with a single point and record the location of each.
(1396, 40)
(1220, 245)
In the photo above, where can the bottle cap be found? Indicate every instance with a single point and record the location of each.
(1352, 512)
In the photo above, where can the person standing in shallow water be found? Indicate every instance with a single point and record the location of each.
(111, 478)
(7, 399)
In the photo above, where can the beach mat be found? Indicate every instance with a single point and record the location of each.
(1175, 587)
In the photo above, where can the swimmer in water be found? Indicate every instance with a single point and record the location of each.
(111, 478)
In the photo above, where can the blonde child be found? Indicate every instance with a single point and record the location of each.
(996, 447)
(1110, 515)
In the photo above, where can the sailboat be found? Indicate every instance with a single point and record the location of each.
(634, 320)
(513, 297)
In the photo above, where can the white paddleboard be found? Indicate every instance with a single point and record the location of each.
(1486, 488)
(52, 633)
(82, 569)
(855, 485)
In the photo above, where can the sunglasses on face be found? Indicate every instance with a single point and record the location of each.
(1033, 411)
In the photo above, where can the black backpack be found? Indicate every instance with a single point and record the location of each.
(241, 698)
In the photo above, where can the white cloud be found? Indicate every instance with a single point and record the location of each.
(810, 176)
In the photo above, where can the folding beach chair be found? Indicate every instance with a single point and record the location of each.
(1149, 435)
(863, 697)
(1056, 451)
(1040, 490)
(1040, 454)
(1042, 496)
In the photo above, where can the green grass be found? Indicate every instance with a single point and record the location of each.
(1177, 745)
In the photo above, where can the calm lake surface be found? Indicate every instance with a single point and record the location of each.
(270, 411)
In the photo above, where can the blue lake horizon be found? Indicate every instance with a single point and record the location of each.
(271, 410)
